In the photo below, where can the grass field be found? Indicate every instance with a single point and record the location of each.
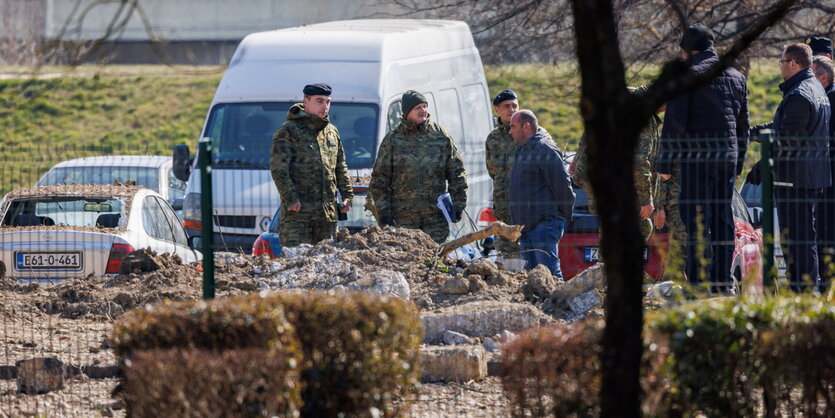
(64, 113)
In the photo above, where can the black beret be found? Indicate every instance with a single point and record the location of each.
(819, 45)
(505, 95)
(697, 38)
(411, 99)
(318, 89)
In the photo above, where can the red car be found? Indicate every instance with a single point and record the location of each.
(579, 246)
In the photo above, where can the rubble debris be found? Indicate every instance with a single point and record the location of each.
(40, 375)
(585, 301)
(481, 319)
(455, 338)
(593, 277)
(383, 282)
(491, 345)
(540, 283)
(455, 286)
(488, 271)
(457, 363)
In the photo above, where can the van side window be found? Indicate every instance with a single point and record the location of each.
(477, 116)
(450, 115)
(394, 115)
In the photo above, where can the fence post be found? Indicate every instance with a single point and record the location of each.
(767, 139)
(204, 158)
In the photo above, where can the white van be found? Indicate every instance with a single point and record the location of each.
(369, 64)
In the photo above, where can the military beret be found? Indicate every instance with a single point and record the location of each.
(697, 37)
(505, 95)
(411, 99)
(318, 89)
(819, 45)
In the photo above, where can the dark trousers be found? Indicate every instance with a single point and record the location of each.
(825, 228)
(705, 207)
(796, 212)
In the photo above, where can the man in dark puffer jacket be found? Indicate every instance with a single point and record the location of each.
(706, 132)
(801, 165)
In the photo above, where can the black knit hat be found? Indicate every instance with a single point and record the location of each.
(819, 45)
(411, 99)
(697, 38)
(318, 89)
(505, 95)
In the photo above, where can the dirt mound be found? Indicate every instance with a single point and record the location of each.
(382, 260)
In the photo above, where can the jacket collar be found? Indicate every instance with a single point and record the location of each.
(535, 139)
(703, 56)
(312, 122)
(410, 127)
(792, 82)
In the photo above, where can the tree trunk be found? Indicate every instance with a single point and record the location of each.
(613, 120)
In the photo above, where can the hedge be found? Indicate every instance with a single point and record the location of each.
(208, 383)
(355, 351)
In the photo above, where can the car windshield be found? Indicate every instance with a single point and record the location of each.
(143, 176)
(242, 133)
(64, 210)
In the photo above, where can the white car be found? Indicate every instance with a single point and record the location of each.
(52, 233)
(151, 171)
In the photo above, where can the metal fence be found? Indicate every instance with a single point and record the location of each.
(67, 324)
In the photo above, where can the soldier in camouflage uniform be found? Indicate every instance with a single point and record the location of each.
(416, 161)
(667, 214)
(644, 173)
(499, 154)
(308, 166)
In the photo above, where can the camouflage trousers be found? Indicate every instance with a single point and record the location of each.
(644, 224)
(295, 233)
(432, 222)
(504, 246)
(674, 269)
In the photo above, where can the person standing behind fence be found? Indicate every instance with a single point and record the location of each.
(499, 154)
(706, 132)
(643, 170)
(416, 162)
(541, 197)
(801, 166)
(820, 46)
(308, 166)
(823, 69)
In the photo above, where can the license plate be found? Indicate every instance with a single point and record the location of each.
(70, 260)
(592, 254)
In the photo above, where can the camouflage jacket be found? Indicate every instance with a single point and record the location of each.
(644, 169)
(414, 165)
(308, 166)
(499, 155)
(668, 190)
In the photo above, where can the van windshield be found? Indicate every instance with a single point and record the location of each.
(242, 133)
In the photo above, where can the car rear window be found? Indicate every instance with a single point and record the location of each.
(143, 176)
(68, 211)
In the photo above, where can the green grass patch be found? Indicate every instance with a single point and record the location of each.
(63, 113)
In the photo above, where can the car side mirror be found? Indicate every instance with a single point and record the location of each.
(181, 165)
(195, 242)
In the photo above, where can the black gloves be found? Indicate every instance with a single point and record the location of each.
(754, 176)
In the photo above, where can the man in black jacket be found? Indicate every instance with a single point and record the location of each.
(541, 197)
(801, 165)
(706, 132)
(823, 69)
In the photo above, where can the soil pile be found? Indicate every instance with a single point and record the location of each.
(384, 260)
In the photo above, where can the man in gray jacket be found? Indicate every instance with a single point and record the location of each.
(541, 197)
